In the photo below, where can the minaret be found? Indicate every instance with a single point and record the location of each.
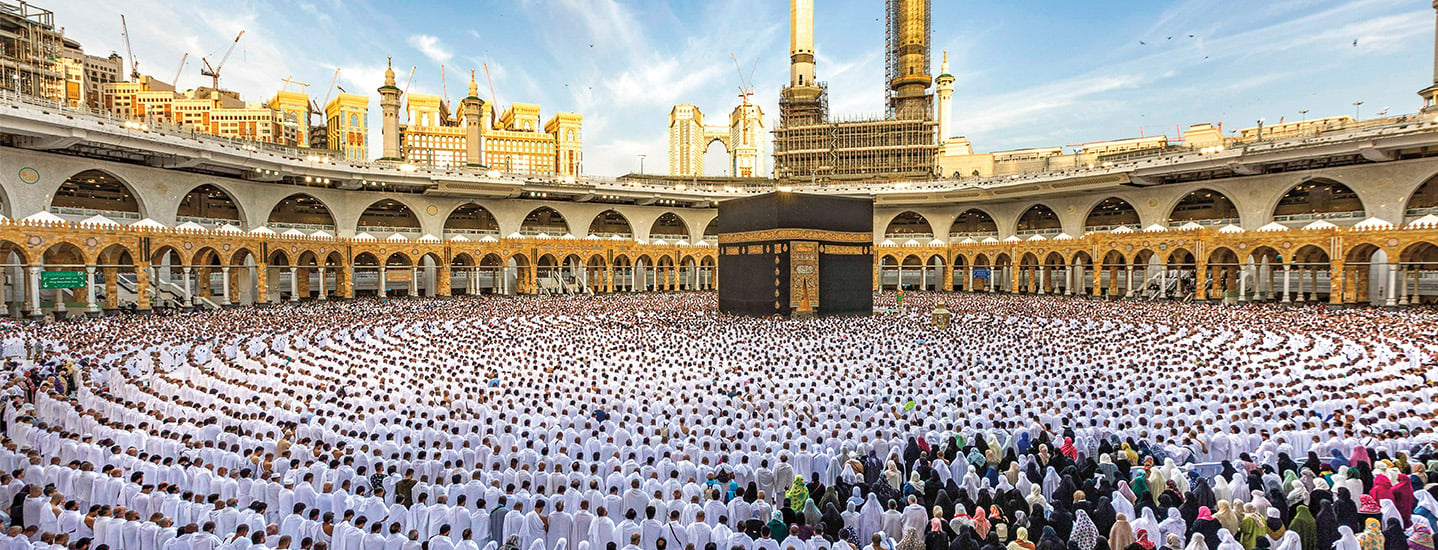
(801, 42)
(389, 106)
(946, 99)
(909, 78)
(1430, 94)
(471, 107)
(800, 101)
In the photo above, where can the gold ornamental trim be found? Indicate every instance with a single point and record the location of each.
(844, 250)
(767, 235)
(804, 275)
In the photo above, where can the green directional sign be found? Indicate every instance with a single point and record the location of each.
(62, 279)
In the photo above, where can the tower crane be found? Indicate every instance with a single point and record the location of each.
(316, 108)
(134, 64)
(175, 82)
(214, 72)
(405, 92)
(290, 81)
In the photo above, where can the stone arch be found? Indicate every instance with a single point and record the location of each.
(239, 256)
(1418, 262)
(1038, 219)
(168, 255)
(544, 220)
(1180, 256)
(365, 278)
(1318, 198)
(1423, 201)
(670, 227)
(398, 259)
(1109, 213)
(64, 254)
(210, 205)
(1204, 206)
(975, 223)
(610, 223)
(207, 256)
(711, 230)
(471, 218)
(278, 258)
(366, 259)
(909, 225)
(387, 216)
(7, 207)
(1366, 268)
(59, 256)
(1314, 262)
(97, 191)
(301, 211)
(719, 169)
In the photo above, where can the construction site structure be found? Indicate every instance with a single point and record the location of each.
(516, 140)
(907, 59)
(743, 139)
(811, 146)
(30, 50)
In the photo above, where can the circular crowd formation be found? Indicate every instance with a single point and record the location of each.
(654, 422)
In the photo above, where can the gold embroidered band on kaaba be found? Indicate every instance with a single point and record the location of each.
(770, 235)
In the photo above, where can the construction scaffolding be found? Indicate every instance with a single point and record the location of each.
(30, 50)
(855, 149)
(907, 35)
(809, 146)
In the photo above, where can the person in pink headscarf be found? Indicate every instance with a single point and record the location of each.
(1360, 454)
(1404, 498)
(1382, 488)
(1068, 448)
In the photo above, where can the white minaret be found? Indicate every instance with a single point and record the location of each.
(946, 99)
(1430, 94)
(801, 42)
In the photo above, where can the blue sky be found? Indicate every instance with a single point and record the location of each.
(1029, 73)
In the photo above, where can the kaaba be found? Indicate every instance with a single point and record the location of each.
(796, 255)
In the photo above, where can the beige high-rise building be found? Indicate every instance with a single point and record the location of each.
(294, 110)
(743, 140)
(518, 141)
(568, 142)
(430, 137)
(746, 140)
(347, 125)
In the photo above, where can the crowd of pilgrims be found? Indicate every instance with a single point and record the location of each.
(656, 423)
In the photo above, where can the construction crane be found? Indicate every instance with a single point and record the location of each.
(316, 108)
(134, 64)
(493, 99)
(405, 92)
(331, 91)
(746, 86)
(290, 81)
(214, 72)
(409, 80)
(175, 82)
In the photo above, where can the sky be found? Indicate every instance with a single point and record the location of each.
(1029, 73)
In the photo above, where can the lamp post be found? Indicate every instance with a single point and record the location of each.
(1356, 106)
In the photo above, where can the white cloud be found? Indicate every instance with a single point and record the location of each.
(430, 46)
